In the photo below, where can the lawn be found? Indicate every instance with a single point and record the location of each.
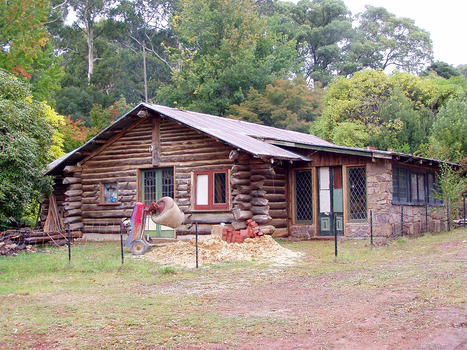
(409, 294)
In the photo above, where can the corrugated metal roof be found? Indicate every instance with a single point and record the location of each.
(246, 136)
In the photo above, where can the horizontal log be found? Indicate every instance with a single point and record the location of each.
(267, 229)
(241, 174)
(239, 167)
(242, 198)
(55, 236)
(239, 225)
(259, 202)
(262, 219)
(239, 182)
(275, 197)
(72, 219)
(274, 189)
(72, 169)
(72, 212)
(258, 185)
(108, 213)
(115, 229)
(241, 214)
(281, 232)
(277, 205)
(73, 199)
(278, 223)
(72, 193)
(71, 180)
(255, 178)
(260, 210)
(278, 214)
(77, 226)
(213, 219)
(191, 229)
(243, 205)
(258, 193)
(71, 206)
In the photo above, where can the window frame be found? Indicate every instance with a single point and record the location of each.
(296, 219)
(102, 187)
(349, 206)
(211, 205)
(414, 177)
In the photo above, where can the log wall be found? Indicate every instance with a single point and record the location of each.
(181, 148)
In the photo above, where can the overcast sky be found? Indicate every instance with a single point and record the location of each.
(445, 21)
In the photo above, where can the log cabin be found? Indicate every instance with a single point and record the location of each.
(221, 170)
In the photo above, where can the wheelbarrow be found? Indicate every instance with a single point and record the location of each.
(164, 212)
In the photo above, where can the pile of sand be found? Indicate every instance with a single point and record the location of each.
(212, 250)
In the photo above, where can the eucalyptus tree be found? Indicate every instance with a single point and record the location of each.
(384, 41)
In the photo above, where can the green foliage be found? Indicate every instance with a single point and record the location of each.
(321, 27)
(75, 134)
(26, 48)
(443, 70)
(75, 103)
(225, 51)
(393, 111)
(350, 134)
(25, 139)
(283, 104)
(448, 140)
(384, 40)
(103, 117)
(451, 186)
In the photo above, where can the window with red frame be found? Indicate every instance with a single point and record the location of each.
(211, 190)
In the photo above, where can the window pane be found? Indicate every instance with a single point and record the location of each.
(202, 187)
(303, 199)
(421, 187)
(414, 188)
(357, 194)
(167, 183)
(110, 192)
(403, 185)
(220, 188)
(395, 184)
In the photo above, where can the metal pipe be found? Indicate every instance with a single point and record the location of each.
(426, 217)
(335, 235)
(196, 225)
(121, 241)
(465, 215)
(402, 221)
(69, 243)
(371, 226)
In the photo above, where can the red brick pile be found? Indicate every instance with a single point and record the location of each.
(230, 235)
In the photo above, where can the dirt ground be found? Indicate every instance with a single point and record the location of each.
(411, 296)
(331, 311)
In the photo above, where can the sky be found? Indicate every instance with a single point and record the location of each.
(444, 20)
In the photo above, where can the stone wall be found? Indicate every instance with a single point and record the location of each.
(386, 216)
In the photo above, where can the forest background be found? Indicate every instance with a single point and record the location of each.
(69, 68)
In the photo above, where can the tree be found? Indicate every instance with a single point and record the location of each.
(283, 104)
(88, 13)
(391, 111)
(448, 140)
(386, 41)
(221, 55)
(323, 29)
(75, 103)
(25, 139)
(25, 44)
(443, 70)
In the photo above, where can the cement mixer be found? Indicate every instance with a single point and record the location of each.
(164, 212)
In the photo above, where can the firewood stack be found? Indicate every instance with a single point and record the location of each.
(14, 241)
(252, 230)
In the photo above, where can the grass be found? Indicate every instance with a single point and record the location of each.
(96, 302)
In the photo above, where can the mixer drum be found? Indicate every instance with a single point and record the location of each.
(169, 213)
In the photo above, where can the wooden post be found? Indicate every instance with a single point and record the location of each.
(144, 73)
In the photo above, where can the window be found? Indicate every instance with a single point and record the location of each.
(357, 194)
(109, 193)
(414, 187)
(211, 190)
(303, 196)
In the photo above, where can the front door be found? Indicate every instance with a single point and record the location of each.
(155, 184)
(331, 218)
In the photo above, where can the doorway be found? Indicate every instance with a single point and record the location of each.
(331, 208)
(155, 184)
